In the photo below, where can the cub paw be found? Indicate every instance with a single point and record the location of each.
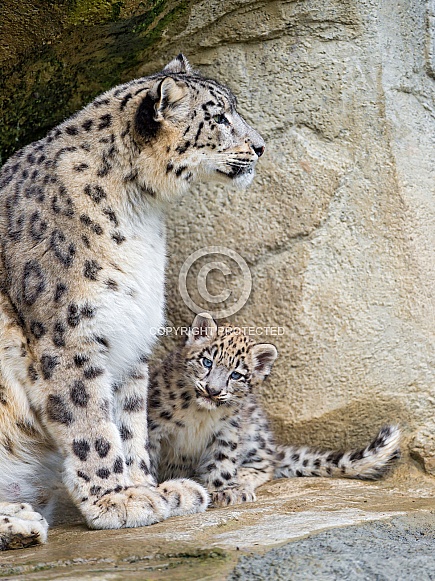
(231, 496)
(135, 506)
(21, 526)
(184, 496)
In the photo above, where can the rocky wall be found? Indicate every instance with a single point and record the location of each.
(338, 229)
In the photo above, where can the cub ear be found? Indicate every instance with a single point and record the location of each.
(179, 64)
(263, 357)
(171, 102)
(203, 329)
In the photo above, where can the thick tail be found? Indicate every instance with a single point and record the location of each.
(370, 463)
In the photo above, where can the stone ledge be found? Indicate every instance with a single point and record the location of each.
(208, 546)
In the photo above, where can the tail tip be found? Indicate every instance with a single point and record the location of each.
(386, 445)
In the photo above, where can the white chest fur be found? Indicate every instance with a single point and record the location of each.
(191, 441)
(132, 312)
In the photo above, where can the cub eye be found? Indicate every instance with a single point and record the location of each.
(235, 375)
(207, 362)
(221, 119)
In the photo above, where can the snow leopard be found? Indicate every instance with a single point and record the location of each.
(206, 421)
(82, 270)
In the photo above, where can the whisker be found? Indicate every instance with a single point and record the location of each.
(226, 161)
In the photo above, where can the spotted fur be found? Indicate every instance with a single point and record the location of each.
(82, 285)
(206, 422)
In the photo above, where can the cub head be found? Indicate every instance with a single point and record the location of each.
(223, 364)
(188, 130)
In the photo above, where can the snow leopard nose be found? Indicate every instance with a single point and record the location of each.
(258, 150)
(212, 390)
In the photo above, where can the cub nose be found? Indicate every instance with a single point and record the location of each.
(212, 390)
(258, 150)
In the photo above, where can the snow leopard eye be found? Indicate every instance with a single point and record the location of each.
(235, 375)
(221, 119)
(207, 362)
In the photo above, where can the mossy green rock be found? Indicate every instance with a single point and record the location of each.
(59, 56)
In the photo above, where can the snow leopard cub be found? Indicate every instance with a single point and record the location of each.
(205, 421)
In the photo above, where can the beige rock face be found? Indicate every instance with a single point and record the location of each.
(338, 228)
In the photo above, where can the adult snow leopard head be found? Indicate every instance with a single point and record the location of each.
(187, 129)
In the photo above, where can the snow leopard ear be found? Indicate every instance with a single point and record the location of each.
(171, 102)
(203, 329)
(179, 64)
(168, 100)
(263, 357)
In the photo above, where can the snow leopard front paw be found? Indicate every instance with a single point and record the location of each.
(134, 506)
(230, 496)
(21, 526)
(184, 496)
